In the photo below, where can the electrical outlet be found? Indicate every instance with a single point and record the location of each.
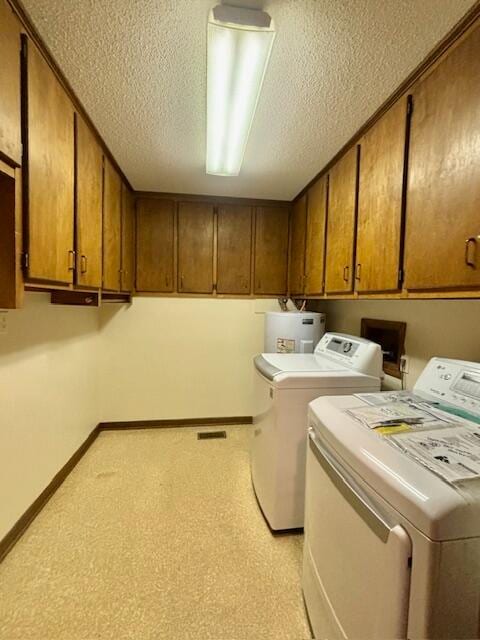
(3, 322)
(404, 364)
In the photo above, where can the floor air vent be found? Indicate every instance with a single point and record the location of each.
(208, 435)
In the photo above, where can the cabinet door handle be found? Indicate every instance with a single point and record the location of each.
(83, 263)
(358, 272)
(468, 242)
(71, 260)
(345, 272)
(181, 282)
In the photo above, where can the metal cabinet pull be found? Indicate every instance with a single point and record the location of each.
(345, 272)
(358, 272)
(468, 241)
(71, 260)
(83, 263)
(181, 282)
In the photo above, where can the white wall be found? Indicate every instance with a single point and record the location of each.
(48, 397)
(449, 328)
(180, 357)
(64, 369)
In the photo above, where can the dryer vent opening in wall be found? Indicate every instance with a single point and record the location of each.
(208, 435)
(391, 336)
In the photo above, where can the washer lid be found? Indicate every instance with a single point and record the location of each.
(304, 371)
(288, 362)
(438, 509)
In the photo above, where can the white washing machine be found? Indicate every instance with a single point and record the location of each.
(284, 385)
(392, 531)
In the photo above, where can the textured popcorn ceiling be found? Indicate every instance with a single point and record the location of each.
(138, 66)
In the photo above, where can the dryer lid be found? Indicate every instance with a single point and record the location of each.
(437, 508)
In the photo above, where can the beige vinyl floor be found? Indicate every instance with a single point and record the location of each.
(155, 534)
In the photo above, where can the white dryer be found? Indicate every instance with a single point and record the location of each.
(392, 543)
(284, 385)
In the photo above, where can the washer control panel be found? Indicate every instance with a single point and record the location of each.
(455, 382)
(342, 345)
(355, 353)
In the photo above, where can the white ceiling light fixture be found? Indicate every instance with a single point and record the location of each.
(239, 46)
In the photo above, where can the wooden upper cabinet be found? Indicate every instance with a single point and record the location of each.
(88, 205)
(127, 279)
(234, 249)
(10, 128)
(380, 202)
(443, 198)
(271, 250)
(11, 280)
(315, 237)
(195, 247)
(298, 224)
(155, 245)
(112, 212)
(49, 172)
(341, 224)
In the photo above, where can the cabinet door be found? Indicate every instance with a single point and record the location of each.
(11, 281)
(88, 205)
(298, 224)
(443, 197)
(10, 141)
(341, 223)
(315, 243)
(155, 245)
(271, 250)
(112, 211)
(49, 173)
(128, 241)
(195, 247)
(234, 249)
(380, 202)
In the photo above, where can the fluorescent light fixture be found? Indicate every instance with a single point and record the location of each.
(239, 46)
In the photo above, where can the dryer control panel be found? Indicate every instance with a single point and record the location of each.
(455, 382)
(353, 352)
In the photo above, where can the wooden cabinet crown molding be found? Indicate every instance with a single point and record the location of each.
(210, 199)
